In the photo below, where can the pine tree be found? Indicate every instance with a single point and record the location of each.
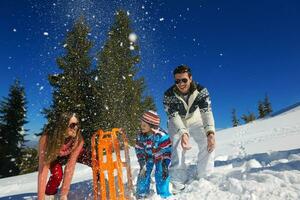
(30, 161)
(120, 93)
(235, 120)
(261, 110)
(12, 121)
(245, 118)
(267, 105)
(148, 104)
(251, 117)
(72, 87)
(248, 118)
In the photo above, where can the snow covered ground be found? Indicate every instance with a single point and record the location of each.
(260, 160)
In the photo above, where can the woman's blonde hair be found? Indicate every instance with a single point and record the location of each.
(56, 132)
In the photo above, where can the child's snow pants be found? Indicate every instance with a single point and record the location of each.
(143, 183)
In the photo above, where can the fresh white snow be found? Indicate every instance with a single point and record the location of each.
(260, 160)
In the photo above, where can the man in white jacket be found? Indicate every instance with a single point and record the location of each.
(188, 107)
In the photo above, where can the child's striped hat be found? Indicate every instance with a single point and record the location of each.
(151, 117)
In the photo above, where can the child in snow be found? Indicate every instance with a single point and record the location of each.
(61, 143)
(153, 147)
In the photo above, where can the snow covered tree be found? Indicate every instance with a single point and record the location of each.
(267, 105)
(30, 161)
(235, 120)
(148, 103)
(12, 132)
(264, 107)
(120, 98)
(72, 91)
(248, 118)
(261, 110)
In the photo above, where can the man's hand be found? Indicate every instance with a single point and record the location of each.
(185, 142)
(211, 142)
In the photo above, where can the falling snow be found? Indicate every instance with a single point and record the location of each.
(132, 37)
(58, 19)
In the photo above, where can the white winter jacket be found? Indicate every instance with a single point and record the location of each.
(196, 111)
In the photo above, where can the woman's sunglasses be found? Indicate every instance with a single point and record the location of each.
(73, 125)
(184, 80)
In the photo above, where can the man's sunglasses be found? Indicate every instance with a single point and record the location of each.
(73, 125)
(184, 80)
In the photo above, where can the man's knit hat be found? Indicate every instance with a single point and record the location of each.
(151, 117)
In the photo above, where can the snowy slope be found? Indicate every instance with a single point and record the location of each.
(260, 160)
(273, 134)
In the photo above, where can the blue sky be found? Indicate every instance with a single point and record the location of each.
(239, 50)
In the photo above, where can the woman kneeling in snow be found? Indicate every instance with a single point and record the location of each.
(153, 146)
(61, 143)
